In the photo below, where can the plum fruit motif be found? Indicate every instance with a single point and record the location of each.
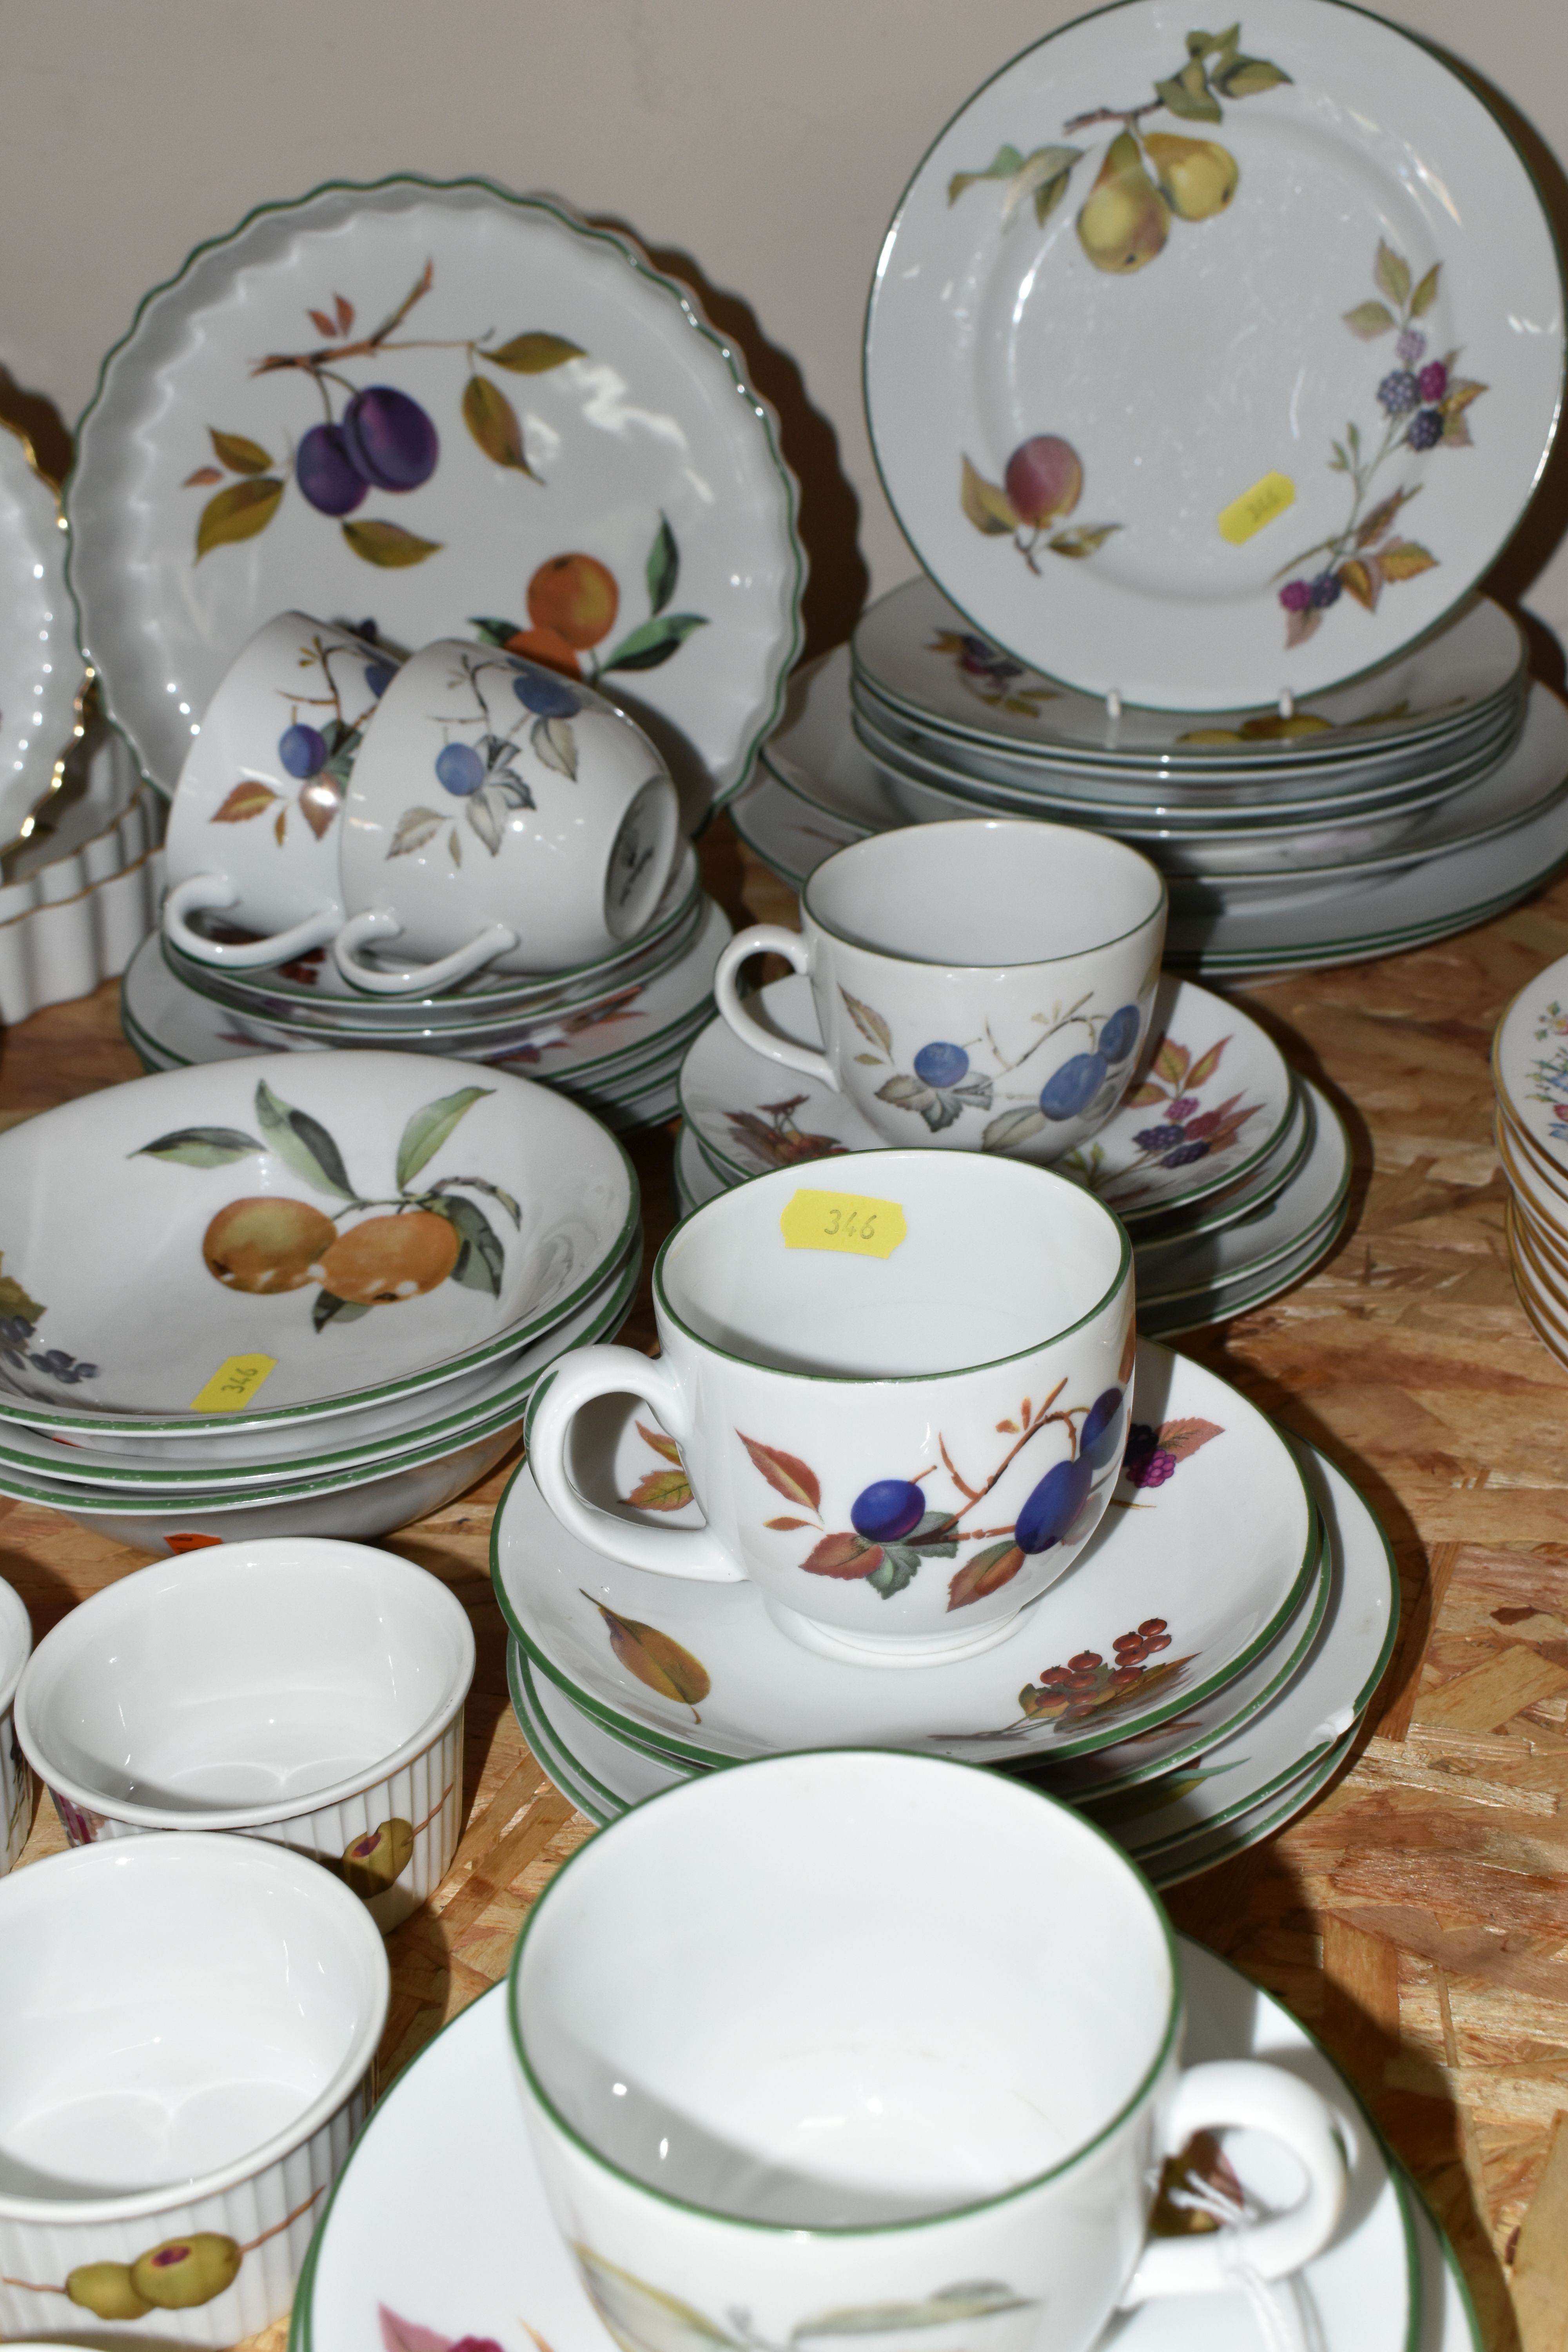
(573, 603)
(267, 1245)
(319, 755)
(20, 1316)
(377, 438)
(769, 1134)
(1183, 1130)
(1549, 1071)
(893, 1527)
(945, 1079)
(1424, 401)
(1146, 179)
(991, 676)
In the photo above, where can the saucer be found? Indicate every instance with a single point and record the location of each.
(1204, 1054)
(1310, 1206)
(1194, 1571)
(416, 2255)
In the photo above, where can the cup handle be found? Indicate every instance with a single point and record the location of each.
(421, 980)
(581, 1375)
(199, 891)
(759, 941)
(1264, 2098)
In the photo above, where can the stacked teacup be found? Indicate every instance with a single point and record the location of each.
(994, 985)
(464, 853)
(1530, 1070)
(299, 1295)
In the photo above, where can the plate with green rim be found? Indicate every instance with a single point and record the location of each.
(459, 411)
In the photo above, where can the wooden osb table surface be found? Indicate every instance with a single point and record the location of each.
(1417, 1918)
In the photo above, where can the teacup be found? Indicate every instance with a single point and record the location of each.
(788, 2079)
(984, 985)
(186, 2031)
(254, 827)
(897, 1390)
(309, 1693)
(503, 815)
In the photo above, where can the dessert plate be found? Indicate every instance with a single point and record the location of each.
(415, 2256)
(40, 673)
(1310, 1204)
(1168, 1318)
(917, 654)
(791, 836)
(1203, 1056)
(1193, 1856)
(1199, 1565)
(454, 410)
(1086, 458)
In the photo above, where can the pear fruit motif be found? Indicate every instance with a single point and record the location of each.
(186, 2271)
(1197, 177)
(1125, 221)
(105, 2289)
(371, 1862)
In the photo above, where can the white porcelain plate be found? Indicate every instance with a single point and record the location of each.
(418, 2255)
(1172, 328)
(1530, 1062)
(40, 674)
(1204, 1057)
(457, 412)
(1199, 1566)
(1311, 1203)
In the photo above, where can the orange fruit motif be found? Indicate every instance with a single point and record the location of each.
(389, 1259)
(548, 647)
(266, 1245)
(575, 598)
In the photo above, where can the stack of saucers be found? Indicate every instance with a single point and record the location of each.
(1530, 1069)
(611, 1034)
(1192, 1683)
(1378, 815)
(1230, 1172)
(309, 1297)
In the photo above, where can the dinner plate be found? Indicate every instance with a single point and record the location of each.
(40, 673)
(1179, 1633)
(917, 653)
(1143, 1163)
(412, 2254)
(1110, 479)
(450, 410)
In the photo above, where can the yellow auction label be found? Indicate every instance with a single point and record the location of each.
(1260, 504)
(843, 1221)
(233, 1384)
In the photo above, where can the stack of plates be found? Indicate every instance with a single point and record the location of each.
(1192, 1681)
(1231, 1174)
(611, 1034)
(305, 1298)
(1278, 856)
(1530, 1069)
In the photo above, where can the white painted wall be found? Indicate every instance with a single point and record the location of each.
(767, 140)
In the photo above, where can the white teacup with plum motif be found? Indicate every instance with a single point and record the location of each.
(503, 816)
(983, 985)
(857, 2047)
(900, 1401)
(254, 827)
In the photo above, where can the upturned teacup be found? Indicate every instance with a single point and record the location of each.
(255, 823)
(983, 985)
(855, 2045)
(898, 1390)
(502, 816)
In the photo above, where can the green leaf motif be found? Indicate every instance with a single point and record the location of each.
(481, 1261)
(534, 354)
(1004, 164)
(870, 1024)
(492, 420)
(1011, 1128)
(1082, 538)
(899, 1566)
(15, 1300)
(492, 630)
(329, 1309)
(428, 1128)
(1247, 77)
(239, 513)
(931, 1524)
(387, 544)
(663, 567)
(555, 743)
(652, 644)
(483, 1184)
(1392, 273)
(976, 2299)
(302, 1143)
(1044, 175)
(1188, 94)
(414, 827)
(1425, 294)
(201, 1147)
(240, 456)
(1370, 318)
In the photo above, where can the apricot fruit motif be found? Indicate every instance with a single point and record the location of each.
(106, 2290)
(574, 596)
(388, 1259)
(267, 1245)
